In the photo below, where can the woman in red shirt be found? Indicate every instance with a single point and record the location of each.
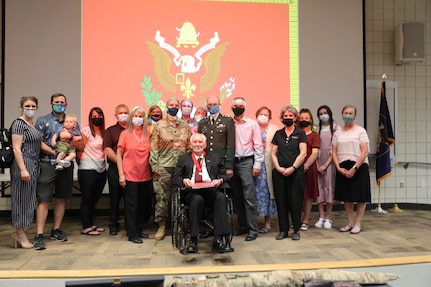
(133, 152)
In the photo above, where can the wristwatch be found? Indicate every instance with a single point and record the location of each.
(355, 167)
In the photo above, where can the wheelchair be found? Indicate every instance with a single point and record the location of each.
(180, 223)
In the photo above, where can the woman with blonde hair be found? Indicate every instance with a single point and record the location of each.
(133, 154)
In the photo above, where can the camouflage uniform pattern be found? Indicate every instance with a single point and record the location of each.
(169, 140)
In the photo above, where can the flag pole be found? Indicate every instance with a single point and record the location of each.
(383, 145)
(379, 208)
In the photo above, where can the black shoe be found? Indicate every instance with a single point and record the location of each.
(220, 247)
(144, 235)
(113, 230)
(206, 234)
(58, 235)
(136, 240)
(39, 244)
(251, 237)
(240, 232)
(295, 236)
(192, 247)
(281, 236)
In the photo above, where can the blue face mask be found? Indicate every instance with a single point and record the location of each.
(324, 117)
(58, 108)
(214, 110)
(172, 111)
(348, 118)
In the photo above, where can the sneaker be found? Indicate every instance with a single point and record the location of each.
(64, 163)
(58, 167)
(319, 224)
(304, 226)
(39, 244)
(327, 224)
(58, 235)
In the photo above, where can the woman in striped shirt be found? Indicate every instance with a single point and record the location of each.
(24, 172)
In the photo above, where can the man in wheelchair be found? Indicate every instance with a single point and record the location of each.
(201, 175)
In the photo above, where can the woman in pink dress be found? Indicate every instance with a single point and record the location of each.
(325, 167)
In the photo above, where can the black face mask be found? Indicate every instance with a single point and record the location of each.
(97, 121)
(287, 122)
(238, 111)
(304, 124)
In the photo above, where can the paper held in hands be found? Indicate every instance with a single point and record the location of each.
(200, 185)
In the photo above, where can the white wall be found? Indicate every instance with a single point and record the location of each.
(413, 139)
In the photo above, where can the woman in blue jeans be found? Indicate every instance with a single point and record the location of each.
(92, 170)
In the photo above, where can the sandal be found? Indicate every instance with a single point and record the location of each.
(304, 226)
(356, 230)
(91, 232)
(99, 229)
(346, 228)
(265, 229)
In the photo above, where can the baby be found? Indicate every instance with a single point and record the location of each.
(63, 146)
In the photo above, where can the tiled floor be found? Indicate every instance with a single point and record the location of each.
(384, 236)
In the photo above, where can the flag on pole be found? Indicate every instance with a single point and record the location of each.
(385, 139)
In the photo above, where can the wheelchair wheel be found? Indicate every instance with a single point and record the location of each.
(175, 206)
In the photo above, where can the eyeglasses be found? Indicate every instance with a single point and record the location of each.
(287, 140)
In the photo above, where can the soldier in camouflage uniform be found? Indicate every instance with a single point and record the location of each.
(169, 140)
(220, 132)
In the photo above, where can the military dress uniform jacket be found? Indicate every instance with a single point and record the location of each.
(220, 137)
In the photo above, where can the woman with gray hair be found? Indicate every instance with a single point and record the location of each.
(133, 161)
(289, 148)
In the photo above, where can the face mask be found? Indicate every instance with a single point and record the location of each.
(304, 124)
(172, 111)
(238, 111)
(155, 119)
(122, 118)
(214, 110)
(97, 121)
(287, 122)
(186, 111)
(59, 108)
(29, 113)
(262, 119)
(324, 117)
(198, 118)
(138, 122)
(348, 118)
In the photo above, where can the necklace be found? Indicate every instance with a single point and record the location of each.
(139, 139)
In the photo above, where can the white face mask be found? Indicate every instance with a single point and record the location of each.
(186, 111)
(198, 118)
(122, 118)
(262, 119)
(138, 121)
(29, 113)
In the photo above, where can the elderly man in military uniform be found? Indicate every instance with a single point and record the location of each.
(220, 132)
(170, 139)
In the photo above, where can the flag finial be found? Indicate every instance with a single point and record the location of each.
(384, 76)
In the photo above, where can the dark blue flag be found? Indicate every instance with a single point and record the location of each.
(385, 139)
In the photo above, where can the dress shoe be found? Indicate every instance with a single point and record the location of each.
(113, 230)
(192, 247)
(281, 236)
(144, 235)
(295, 236)
(251, 237)
(206, 234)
(136, 240)
(220, 247)
(240, 232)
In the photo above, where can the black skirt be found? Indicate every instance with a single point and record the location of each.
(356, 189)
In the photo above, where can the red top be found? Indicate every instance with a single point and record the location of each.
(136, 155)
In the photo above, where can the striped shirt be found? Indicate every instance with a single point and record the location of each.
(348, 143)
